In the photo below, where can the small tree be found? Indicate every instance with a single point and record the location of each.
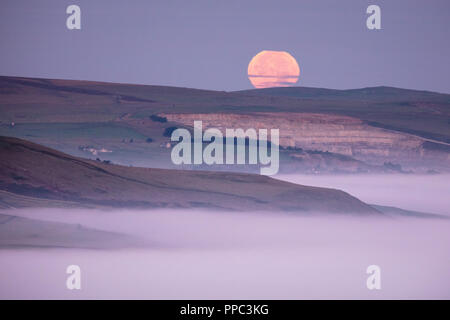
(168, 131)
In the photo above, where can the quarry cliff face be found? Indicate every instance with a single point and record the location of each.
(337, 134)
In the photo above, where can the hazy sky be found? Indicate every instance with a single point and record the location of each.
(209, 43)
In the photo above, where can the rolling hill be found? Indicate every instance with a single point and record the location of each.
(368, 130)
(24, 232)
(31, 175)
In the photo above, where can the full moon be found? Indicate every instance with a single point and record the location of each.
(273, 69)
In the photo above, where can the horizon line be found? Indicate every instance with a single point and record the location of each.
(212, 90)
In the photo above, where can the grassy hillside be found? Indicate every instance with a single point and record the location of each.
(36, 172)
(423, 113)
(27, 100)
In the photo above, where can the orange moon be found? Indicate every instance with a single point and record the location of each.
(273, 69)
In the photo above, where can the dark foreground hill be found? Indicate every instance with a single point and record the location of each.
(33, 175)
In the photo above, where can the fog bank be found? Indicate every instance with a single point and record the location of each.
(426, 193)
(205, 255)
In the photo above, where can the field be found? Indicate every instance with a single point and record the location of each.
(82, 118)
(42, 100)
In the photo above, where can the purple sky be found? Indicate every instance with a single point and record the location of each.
(209, 43)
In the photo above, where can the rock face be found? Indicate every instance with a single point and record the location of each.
(356, 130)
(337, 134)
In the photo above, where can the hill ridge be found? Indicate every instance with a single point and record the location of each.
(31, 170)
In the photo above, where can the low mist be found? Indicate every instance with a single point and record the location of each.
(425, 193)
(200, 254)
(223, 255)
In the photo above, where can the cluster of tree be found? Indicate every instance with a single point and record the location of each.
(157, 118)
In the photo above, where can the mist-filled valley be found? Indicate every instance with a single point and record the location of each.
(86, 179)
(194, 254)
(221, 155)
(425, 193)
